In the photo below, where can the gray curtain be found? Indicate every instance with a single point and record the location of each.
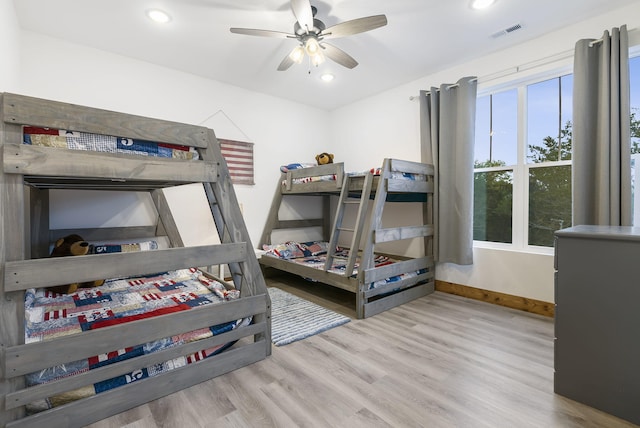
(447, 128)
(601, 131)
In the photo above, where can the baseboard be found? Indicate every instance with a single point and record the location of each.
(515, 302)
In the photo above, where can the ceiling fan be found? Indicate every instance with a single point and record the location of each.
(311, 34)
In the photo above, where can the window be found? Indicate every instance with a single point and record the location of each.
(634, 76)
(523, 161)
(522, 188)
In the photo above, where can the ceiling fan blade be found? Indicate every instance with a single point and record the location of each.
(339, 56)
(286, 63)
(355, 26)
(303, 13)
(262, 33)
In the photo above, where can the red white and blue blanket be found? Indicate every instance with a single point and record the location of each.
(73, 140)
(50, 315)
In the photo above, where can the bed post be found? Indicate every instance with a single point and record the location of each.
(231, 228)
(12, 233)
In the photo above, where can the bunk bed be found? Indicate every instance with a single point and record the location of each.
(203, 342)
(380, 281)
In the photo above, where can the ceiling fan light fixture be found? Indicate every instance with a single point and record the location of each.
(311, 46)
(297, 55)
(317, 59)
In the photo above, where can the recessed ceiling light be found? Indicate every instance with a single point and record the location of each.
(327, 77)
(481, 4)
(157, 15)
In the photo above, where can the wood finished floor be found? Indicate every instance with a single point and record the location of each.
(439, 361)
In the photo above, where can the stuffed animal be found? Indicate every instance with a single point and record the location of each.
(72, 245)
(324, 158)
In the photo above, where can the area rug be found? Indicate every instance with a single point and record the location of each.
(293, 318)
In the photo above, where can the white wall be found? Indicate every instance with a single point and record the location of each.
(58, 70)
(387, 125)
(9, 47)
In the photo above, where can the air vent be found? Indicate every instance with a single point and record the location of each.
(506, 31)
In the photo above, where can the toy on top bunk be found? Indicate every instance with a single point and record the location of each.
(321, 159)
(324, 158)
(72, 245)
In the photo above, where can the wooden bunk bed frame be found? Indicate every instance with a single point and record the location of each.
(358, 190)
(28, 173)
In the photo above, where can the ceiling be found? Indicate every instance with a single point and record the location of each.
(422, 37)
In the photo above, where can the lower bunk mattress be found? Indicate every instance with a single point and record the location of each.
(50, 315)
(313, 255)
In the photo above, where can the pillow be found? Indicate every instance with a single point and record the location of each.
(314, 248)
(287, 168)
(286, 251)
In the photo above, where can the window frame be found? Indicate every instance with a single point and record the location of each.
(520, 200)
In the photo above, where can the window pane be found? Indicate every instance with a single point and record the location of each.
(543, 121)
(482, 154)
(504, 127)
(634, 77)
(493, 204)
(634, 80)
(549, 203)
(566, 116)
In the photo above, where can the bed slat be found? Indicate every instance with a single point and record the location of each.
(388, 302)
(47, 161)
(398, 165)
(23, 359)
(398, 268)
(398, 233)
(406, 186)
(28, 395)
(52, 114)
(100, 406)
(399, 285)
(24, 274)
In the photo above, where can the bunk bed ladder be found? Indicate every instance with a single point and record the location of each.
(347, 199)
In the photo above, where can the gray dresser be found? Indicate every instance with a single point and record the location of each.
(597, 318)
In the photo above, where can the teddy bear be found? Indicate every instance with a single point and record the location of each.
(72, 245)
(324, 158)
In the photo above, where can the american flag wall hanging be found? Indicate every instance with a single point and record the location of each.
(239, 158)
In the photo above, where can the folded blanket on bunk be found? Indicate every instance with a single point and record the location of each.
(50, 315)
(103, 143)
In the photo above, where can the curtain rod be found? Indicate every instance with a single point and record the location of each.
(526, 66)
(453, 85)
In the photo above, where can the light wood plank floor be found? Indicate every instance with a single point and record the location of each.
(439, 361)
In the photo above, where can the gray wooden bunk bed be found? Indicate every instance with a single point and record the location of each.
(29, 171)
(377, 286)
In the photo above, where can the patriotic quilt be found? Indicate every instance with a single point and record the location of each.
(50, 315)
(313, 255)
(73, 140)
